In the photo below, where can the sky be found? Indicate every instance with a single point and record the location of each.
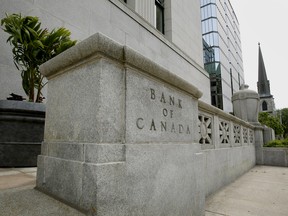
(265, 22)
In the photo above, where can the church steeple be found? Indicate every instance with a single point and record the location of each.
(263, 83)
(266, 99)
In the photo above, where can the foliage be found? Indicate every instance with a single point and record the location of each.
(32, 46)
(277, 143)
(271, 121)
(284, 117)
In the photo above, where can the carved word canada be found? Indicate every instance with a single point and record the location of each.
(167, 125)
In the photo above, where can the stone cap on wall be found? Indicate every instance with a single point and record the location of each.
(216, 111)
(99, 45)
(22, 105)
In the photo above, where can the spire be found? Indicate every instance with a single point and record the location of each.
(263, 83)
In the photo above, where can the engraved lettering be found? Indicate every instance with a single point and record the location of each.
(181, 128)
(152, 93)
(188, 130)
(162, 100)
(165, 112)
(171, 100)
(163, 126)
(171, 121)
(139, 123)
(152, 127)
(173, 128)
(171, 113)
(179, 104)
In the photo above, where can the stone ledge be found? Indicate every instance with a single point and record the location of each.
(99, 45)
(85, 152)
(204, 107)
(21, 105)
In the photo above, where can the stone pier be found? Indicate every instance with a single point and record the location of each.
(121, 134)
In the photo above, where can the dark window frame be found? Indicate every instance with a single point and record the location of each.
(159, 21)
(264, 106)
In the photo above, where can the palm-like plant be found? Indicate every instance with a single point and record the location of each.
(32, 46)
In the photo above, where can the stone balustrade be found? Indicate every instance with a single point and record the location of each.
(228, 146)
(218, 129)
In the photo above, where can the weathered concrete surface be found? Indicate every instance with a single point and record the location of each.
(224, 165)
(17, 177)
(19, 198)
(142, 117)
(261, 191)
(274, 156)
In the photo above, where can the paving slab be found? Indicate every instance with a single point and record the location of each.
(16, 180)
(27, 201)
(17, 177)
(263, 191)
(19, 198)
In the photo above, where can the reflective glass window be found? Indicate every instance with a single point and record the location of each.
(213, 10)
(215, 39)
(214, 21)
(217, 54)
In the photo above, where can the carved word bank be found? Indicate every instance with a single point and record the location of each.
(167, 122)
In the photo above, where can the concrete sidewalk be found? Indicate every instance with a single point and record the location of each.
(263, 191)
(17, 177)
(19, 198)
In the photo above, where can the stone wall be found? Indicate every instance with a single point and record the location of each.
(228, 145)
(275, 156)
(122, 135)
(270, 156)
(122, 131)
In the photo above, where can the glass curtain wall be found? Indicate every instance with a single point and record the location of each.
(212, 50)
(222, 51)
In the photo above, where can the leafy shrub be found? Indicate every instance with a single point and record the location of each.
(271, 121)
(277, 143)
(31, 47)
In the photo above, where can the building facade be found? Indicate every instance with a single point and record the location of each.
(165, 31)
(222, 51)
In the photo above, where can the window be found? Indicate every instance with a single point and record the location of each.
(159, 15)
(264, 106)
(239, 80)
(231, 80)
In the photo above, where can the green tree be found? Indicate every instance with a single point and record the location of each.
(272, 122)
(32, 46)
(284, 118)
